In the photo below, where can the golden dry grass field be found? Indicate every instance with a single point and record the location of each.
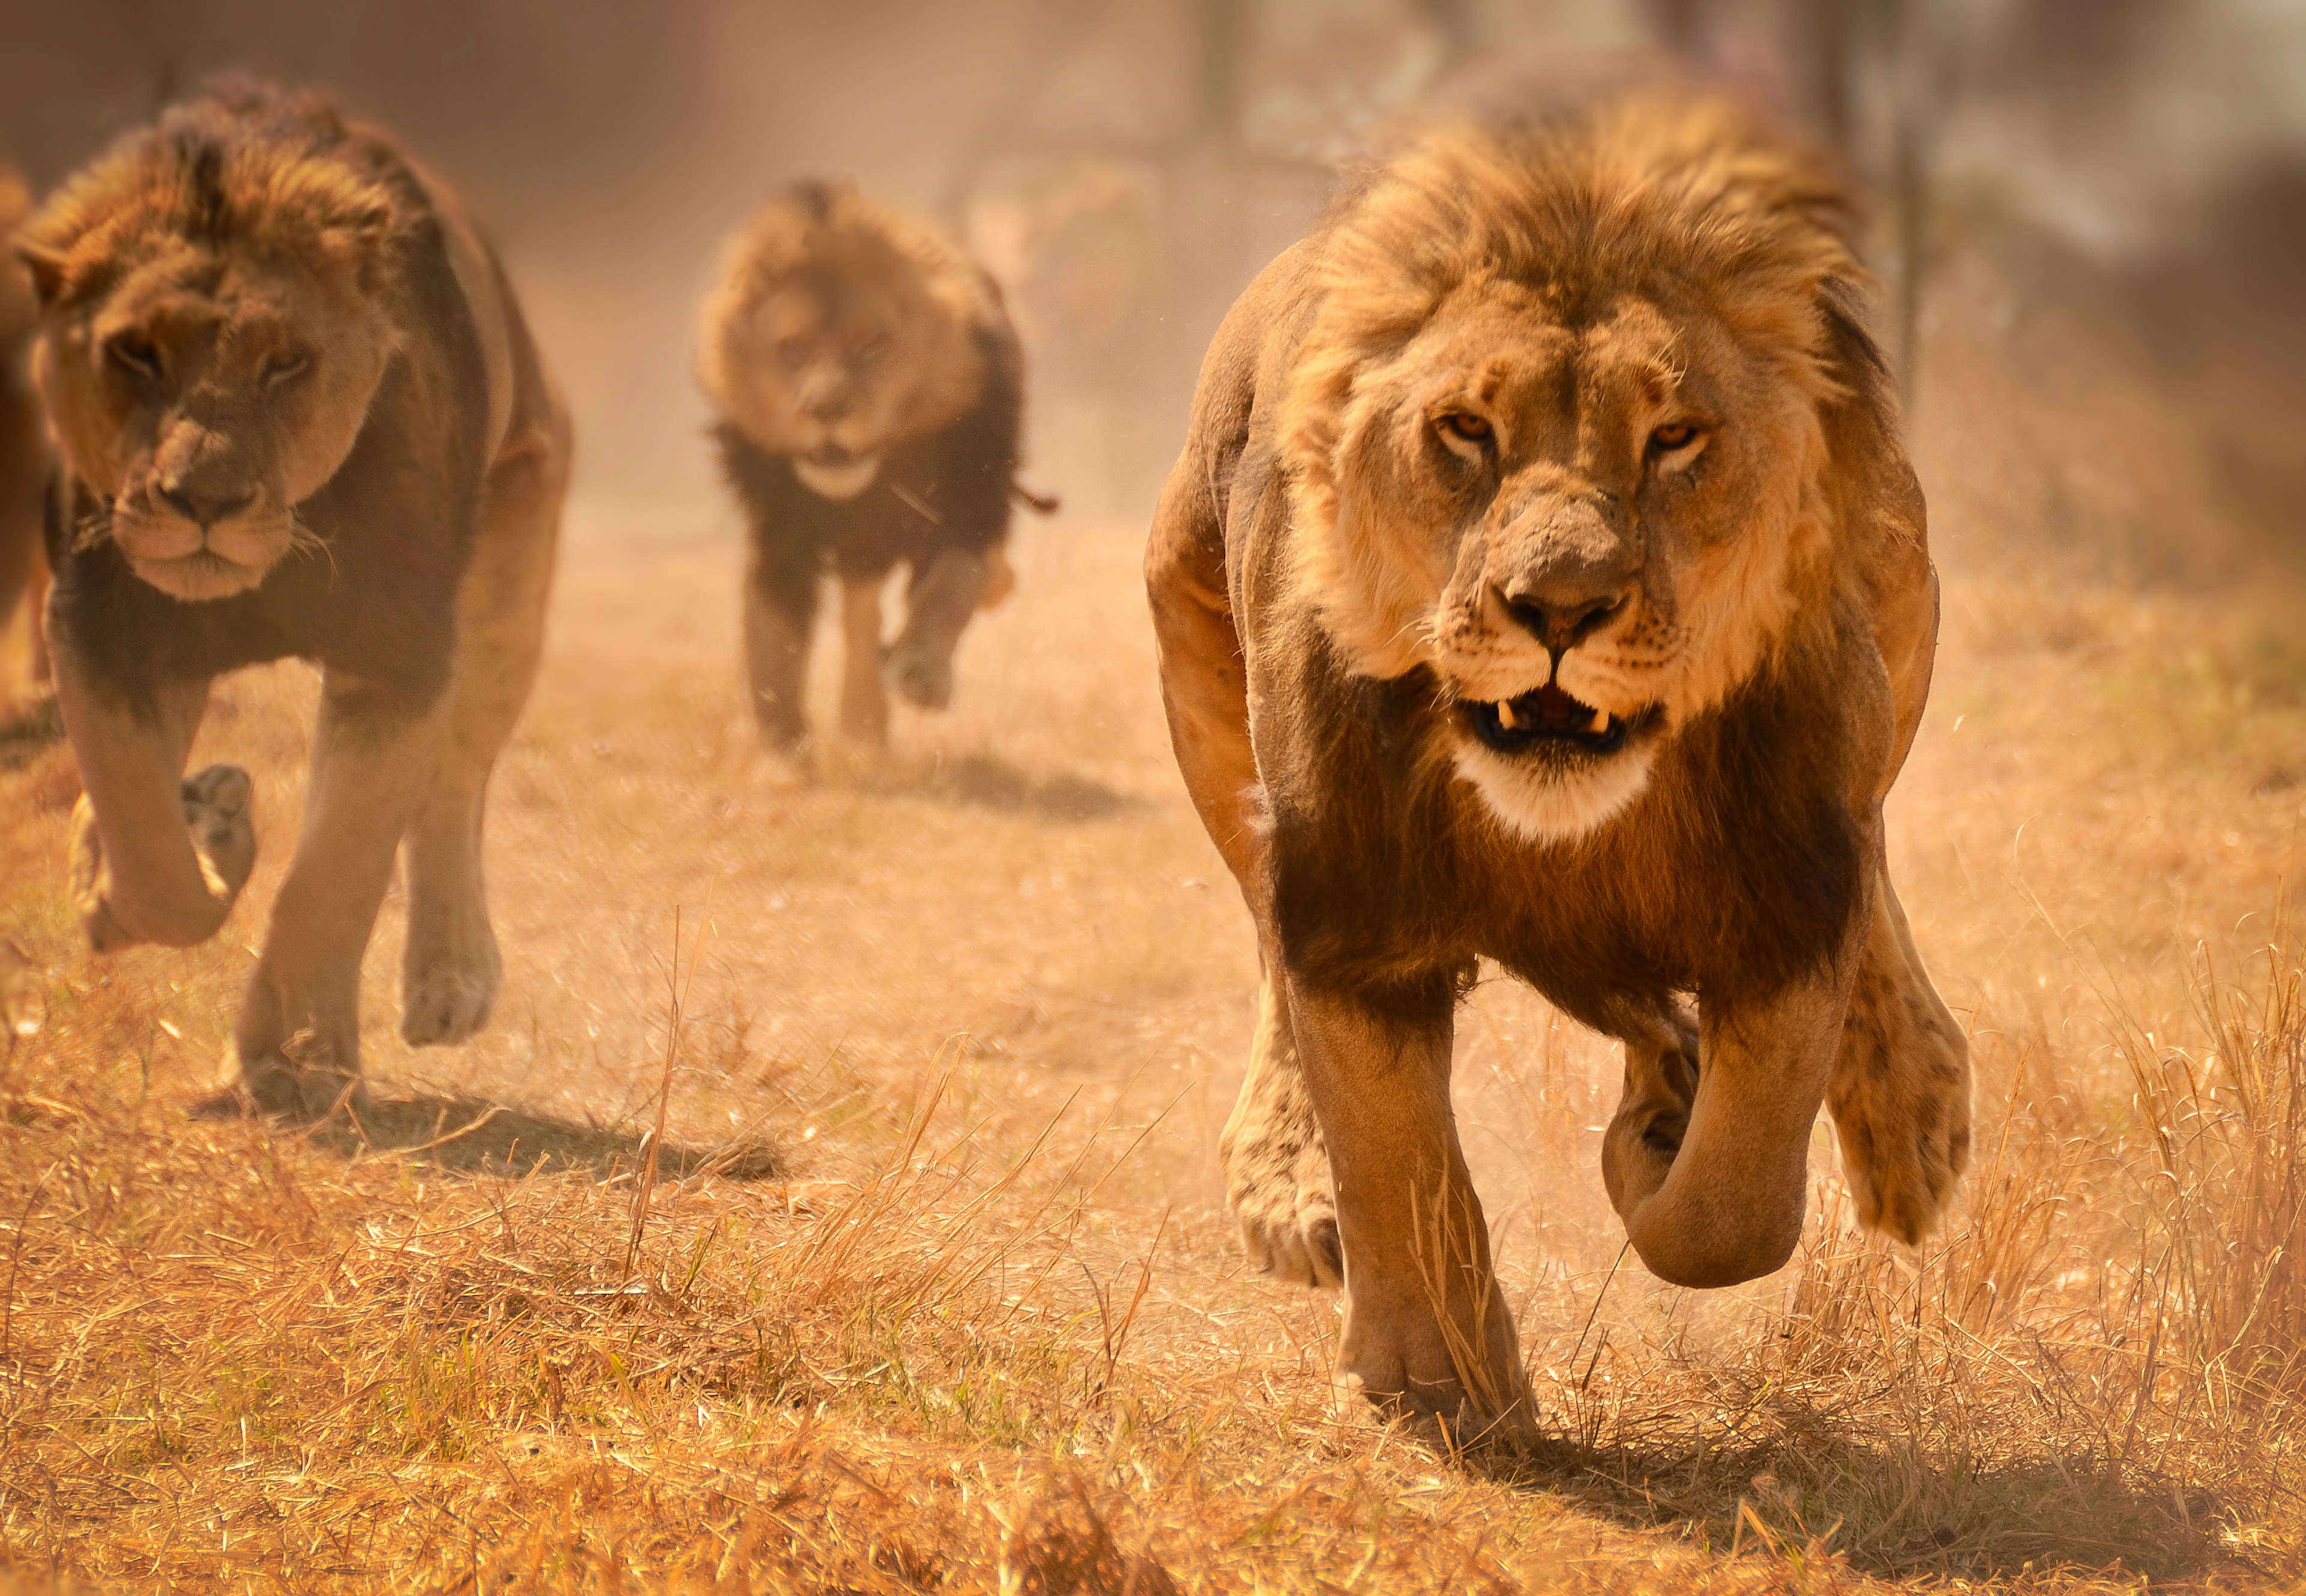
(934, 1290)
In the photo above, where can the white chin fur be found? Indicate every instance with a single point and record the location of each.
(1545, 807)
(837, 482)
(195, 579)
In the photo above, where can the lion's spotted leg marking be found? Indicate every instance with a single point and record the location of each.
(864, 705)
(776, 659)
(1426, 1328)
(155, 858)
(450, 966)
(1277, 1168)
(939, 602)
(1899, 1092)
(1653, 1118)
(297, 1040)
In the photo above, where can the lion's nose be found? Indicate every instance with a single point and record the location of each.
(1557, 617)
(205, 508)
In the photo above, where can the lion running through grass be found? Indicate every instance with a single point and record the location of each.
(299, 415)
(1542, 581)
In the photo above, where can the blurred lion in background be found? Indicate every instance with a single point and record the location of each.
(871, 395)
(1543, 581)
(23, 455)
(298, 413)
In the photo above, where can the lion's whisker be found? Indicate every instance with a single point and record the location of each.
(302, 540)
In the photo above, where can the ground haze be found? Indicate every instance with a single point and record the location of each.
(931, 1288)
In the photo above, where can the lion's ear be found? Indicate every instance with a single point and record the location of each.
(48, 270)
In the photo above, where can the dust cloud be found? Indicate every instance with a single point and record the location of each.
(1125, 167)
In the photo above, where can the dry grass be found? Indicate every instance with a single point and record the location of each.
(932, 1290)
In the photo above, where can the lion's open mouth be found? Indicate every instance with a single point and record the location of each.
(1549, 719)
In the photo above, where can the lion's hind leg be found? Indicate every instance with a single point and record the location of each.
(1661, 1088)
(1900, 1091)
(450, 968)
(1277, 1167)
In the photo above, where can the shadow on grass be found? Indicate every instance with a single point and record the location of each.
(1887, 1510)
(982, 782)
(24, 734)
(472, 1136)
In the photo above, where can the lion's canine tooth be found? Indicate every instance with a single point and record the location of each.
(1600, 721)
(1505, 714)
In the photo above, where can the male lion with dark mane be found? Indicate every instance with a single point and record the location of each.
(871, 394)
(299, 415)
(1543, 581)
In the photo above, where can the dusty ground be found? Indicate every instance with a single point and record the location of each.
(974, 1320)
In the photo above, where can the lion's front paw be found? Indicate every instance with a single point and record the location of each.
(449, 985)
(218, 814)
(1278, 1184)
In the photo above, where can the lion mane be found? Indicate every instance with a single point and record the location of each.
(23, 461)
(1543, 581)
(297, 413)
(871, 396)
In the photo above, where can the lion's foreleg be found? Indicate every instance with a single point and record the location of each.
(298, 1036)
(1426, 1327)
(1719, 1199)
(780, 604)
(939, 602)
(864, 705)
(1277, 1167)
(450, 966)
(156, 857)
(1899, 1092)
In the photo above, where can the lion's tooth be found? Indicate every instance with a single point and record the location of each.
(1600, 721)
(1506, 717)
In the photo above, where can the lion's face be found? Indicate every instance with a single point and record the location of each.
(203, 394)
(1563, 474)
(833, 336)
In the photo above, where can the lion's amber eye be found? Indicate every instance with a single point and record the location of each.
(1667, 439)
(135, 354)
(1466, 425)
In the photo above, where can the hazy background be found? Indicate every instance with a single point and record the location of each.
(2090, 214)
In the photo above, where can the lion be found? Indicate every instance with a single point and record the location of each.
(1542, 581)
(23, 455)
(298, 413)
(870, 393)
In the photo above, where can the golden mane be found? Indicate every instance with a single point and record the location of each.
(1688, 205)
(238, 167)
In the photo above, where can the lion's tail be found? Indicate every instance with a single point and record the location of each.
(1040, 504)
